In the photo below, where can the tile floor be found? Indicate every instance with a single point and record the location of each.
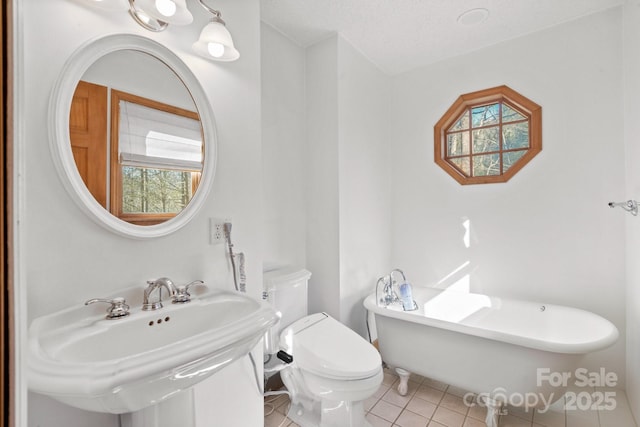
(435, 404)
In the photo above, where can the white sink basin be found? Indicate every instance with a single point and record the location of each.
(78, 357)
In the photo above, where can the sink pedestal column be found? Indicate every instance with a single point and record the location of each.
(175, 411)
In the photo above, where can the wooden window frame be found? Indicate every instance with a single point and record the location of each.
(499, 94)
(116, 168)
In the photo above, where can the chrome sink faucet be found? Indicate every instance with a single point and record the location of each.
(152, 285)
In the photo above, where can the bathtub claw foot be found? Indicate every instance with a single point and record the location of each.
(494, 409)
(403, 386)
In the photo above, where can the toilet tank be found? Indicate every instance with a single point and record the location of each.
(286, 290)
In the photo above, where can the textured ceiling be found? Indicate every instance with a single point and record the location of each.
(399, 35)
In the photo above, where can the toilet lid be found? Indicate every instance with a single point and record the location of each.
(322, 345)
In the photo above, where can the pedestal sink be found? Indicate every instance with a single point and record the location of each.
(78, 357)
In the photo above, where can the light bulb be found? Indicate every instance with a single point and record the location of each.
(215, 49)
(166, 7)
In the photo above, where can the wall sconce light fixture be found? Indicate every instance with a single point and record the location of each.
(215, 41)
(156, 15)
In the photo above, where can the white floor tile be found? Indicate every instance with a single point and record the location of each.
(421, 407)
(582, 419)
(472, 422)
(377, 421)
(520, 413)
(386, 410)
(621, 415)
(454, 403)
(429, 394)
(448, 417)
(410, 419)
(392, 396)
(552, 417)
(478, 412)
(513, 421)
(381, 391)
(389, 379)
(432, 407)
(369, 403)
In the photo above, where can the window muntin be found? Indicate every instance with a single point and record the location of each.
(488, 139)
(487, 136)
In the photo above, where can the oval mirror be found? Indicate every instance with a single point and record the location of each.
(133, 136)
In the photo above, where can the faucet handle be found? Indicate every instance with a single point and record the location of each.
(182, 292)
(118, 309)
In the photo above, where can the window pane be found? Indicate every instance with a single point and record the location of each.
(486, 140)
(510, 115)
(486, 165)
(154, 190)
(462, 123)
(458, 144)
(510, 158)
(485, 116)
(515, 136)
(462, 164)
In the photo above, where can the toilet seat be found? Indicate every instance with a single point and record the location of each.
(323, 346)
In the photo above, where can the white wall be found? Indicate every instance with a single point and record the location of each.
(631, 43)
(322, 180)
(283, 149)
(547, 235)
(146, 76)
(66, 258)
(365, 181)
(348, 212)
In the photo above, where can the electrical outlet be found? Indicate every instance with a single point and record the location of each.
(216, 231)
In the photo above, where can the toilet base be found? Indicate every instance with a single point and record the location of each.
(328, 414)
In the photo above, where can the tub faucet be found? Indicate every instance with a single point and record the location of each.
(400, 272)
(389, 292)
(152, 285)
(389, 295)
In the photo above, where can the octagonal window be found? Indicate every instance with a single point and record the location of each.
(488, 136)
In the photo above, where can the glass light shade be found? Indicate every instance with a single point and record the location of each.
(215, 43)
(169, 11)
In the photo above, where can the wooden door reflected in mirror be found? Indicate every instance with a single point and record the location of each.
(88, 134)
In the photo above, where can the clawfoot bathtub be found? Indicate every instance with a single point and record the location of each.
(495, 347)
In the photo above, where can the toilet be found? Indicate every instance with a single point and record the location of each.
(333, 370)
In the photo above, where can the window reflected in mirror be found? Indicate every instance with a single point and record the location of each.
(155, 153)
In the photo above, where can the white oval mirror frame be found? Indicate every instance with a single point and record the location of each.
(60, 106)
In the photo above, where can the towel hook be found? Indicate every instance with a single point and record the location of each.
(629, 206)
